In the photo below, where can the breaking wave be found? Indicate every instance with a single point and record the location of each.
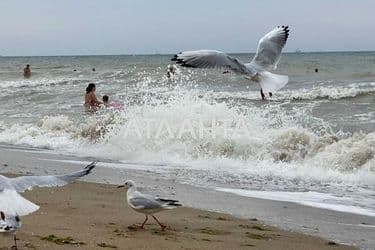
(189, 128)
(315, 93)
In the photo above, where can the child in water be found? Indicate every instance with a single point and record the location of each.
(105, 100)
(113, 105)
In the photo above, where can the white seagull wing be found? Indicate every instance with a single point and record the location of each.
(12, 202)
(269, 48)
(211, 59)
(22, 183)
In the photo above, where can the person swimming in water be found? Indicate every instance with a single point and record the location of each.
(91, 102)
(105, 100)
(170, 71)
(27, 71)
(112, 105)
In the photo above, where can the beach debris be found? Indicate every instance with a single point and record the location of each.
(213, 218)
(133, 227)
(255, 227)
(259, 228)
(256, 236)
(248, 245)
(206, 239)
(30, 245)
(147, 204)
(121, 233)
(222, 218)
(62, 241)
(213, 231)
(332, 243)
(105, 245)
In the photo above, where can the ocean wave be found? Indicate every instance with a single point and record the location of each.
(36, 82)
(194, 128)
(333, 93)
(57, 132)
(315, 93)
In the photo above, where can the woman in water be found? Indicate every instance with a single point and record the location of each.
(91, 102)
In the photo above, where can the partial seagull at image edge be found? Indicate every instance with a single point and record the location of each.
(11, 202)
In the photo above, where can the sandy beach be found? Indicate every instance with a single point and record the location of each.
(94, 216)
(94, 212)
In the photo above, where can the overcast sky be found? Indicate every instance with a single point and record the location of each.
(84, 27)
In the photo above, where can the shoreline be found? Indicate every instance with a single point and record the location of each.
(340, 227)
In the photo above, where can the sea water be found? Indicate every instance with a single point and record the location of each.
(313, 142)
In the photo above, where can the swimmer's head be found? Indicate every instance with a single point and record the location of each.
(90, 88)
(105, 99)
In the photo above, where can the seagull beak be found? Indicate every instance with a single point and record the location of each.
(120, 186)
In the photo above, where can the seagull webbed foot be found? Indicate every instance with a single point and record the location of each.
(163, 227)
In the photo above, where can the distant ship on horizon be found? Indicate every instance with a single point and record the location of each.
(298, 51)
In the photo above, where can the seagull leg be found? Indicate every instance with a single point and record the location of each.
(144, 223)
(15, 242)
(160, 224)
(262, 94)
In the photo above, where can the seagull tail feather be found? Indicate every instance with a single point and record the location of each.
(170, 203)
(272, 82)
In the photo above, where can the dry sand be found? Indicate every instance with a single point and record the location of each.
(94, 216)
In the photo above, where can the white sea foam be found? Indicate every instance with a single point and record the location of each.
(153, 133)
(316, 92)
(312, 199)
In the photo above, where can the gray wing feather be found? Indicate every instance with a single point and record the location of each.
(23, 183)
(144, 202)
(211, 59)
(270, 47)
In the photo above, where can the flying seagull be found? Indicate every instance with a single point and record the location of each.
(147, 204)
(10, 224)
(11, 202)
(266, 58)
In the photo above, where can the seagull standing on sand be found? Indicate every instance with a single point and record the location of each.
(10, 224)
(147, 204)
(266, 58)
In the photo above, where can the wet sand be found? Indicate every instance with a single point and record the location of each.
(94, 216)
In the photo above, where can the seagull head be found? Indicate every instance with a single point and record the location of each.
(128, 184)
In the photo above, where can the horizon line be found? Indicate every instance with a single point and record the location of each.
(168, 54)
